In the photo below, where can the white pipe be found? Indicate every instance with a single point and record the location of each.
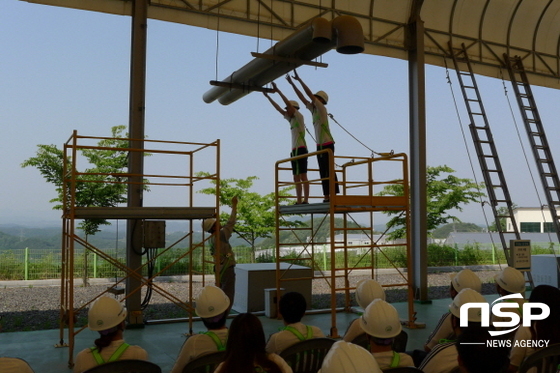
(305, 44)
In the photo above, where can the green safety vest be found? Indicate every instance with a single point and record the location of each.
(396, 360)
(300, 336)
(221, 346)
(116, 355)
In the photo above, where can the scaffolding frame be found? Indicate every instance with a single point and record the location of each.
(72, 178)
(357, 195)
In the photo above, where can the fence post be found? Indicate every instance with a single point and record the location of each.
(26, 264)
(493, 254)
(456, 257)
(94, 265)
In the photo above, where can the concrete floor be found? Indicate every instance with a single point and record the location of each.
(163, 341)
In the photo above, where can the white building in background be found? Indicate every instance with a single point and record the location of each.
(532, 220)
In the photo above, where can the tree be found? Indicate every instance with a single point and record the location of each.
(255, 213)
(444, 194)
(101, 185)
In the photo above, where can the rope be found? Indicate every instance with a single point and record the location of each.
(217, 43)
(468, 154)
(355, 138)
(258, 26)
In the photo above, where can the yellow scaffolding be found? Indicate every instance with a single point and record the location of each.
(358, 188)
(181, 175)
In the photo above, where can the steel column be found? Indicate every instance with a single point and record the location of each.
(417, 132)
(136, 156)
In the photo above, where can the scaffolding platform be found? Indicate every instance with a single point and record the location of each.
(362, 192)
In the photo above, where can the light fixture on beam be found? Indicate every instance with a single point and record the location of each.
(307, 43)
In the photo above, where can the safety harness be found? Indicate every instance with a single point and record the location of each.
(395, 360)
(300, 336)
(114, 357)
(221, 346)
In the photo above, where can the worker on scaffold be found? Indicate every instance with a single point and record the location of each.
(299, 146)
(323, 135)
(226, 276)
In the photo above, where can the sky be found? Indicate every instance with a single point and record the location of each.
(63, 70)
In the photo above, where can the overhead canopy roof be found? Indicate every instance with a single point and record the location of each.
(488, 28)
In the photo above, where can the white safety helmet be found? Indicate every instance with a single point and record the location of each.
(207, 224)
(211, 302)
(323, 95)
(466, 279)
(367, 291)
(346, 357)
(294, 104)
(381, 320)
(467, 296)
(105, 313)
(511, 280)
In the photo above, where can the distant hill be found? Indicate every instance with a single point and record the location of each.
(15, 237)
(444, 230)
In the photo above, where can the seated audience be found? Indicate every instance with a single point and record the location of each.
(211, 305)
(292, 308)
(107, 316)
(510, 281)
(245, 349)
(547, 329)
(465, 279)
(382, 324)
(346, 357)
(478, 354)
(443, 357)
(366, 292)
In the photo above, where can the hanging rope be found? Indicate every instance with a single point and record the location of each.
(217, 43)
(448, 78)
(355, 138)
(258, 26)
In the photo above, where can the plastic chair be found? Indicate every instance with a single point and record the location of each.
(126, 366)
(545, 360)
(307, 356)
(403, 370)
(399, 343)
(205, 364)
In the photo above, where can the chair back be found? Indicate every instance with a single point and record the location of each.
(545, 360)
(126, 366)
(307, 356)
(402, 370)
(399, 343)
(205, 364)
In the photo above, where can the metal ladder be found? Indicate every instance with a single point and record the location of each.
(496, 186)
(537, 136)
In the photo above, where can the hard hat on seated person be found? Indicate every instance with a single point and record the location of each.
(467, 296)
(367, 291)
(511, 280)
(106, 313)
(346, 357)
(211, 302)
(323, 95)
(207, 224)
(381, 320)
(466, 279)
